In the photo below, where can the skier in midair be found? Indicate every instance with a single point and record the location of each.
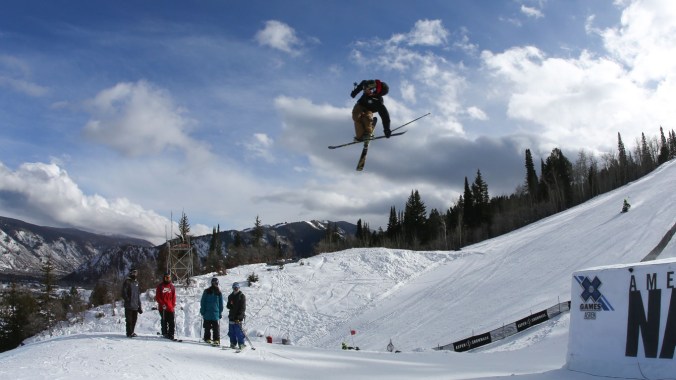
(371, 101)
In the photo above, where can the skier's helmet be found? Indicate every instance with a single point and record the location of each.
(214, 281)
(235, 285)
(384, 89)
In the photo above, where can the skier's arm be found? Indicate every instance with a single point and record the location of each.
(358, 89)
(243, 310)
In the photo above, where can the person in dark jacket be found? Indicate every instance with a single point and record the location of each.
(165, 295)
(371, 101)
(131, 294)
(211, 309)
(236, 314)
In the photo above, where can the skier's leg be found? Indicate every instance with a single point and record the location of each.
(207, 334)
(217, 331)
(171, 324)
(127, 321)
(231, 333)
(359, 116)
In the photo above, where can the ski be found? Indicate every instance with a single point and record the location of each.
(382, 137)
(359, 142)
(235, 350)
(172, 339)
(362, 158)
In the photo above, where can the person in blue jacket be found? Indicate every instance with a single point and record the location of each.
(211, 309)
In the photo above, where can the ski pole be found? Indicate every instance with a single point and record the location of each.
(241, 327)
(416, 119)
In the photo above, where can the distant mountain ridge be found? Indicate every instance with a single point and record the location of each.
(80, 256)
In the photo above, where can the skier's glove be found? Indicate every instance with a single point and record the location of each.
(220, 316)
(140, 311)
(164, 307)
(388, 132)
(355, 92)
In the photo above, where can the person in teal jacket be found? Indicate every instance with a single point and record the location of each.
(211, 309)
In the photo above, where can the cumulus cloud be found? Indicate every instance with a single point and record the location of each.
(140, 119)
(645, 40)
(582, 102)
(280, 36)
(50, 196)
(427, 32)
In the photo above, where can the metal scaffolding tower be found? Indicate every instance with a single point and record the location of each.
(180, 261)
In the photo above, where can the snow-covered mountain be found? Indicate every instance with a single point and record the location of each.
(24, 247)
(82, 257)
(416, 300)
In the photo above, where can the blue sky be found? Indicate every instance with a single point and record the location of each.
(116, 115)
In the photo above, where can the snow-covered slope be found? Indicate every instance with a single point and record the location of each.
(417, 299)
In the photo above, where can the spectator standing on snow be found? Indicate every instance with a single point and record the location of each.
(165, 295)
(211, 309)
(237, 308)
(131, 294)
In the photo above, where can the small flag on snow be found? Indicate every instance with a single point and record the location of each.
(353, 332)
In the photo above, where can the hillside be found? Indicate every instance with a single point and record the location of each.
(417, 299)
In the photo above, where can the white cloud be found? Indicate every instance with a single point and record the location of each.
(578, 102)
(477, 113)
(260, 146)
(139, 119)
(427, 32)
(47, 192)
(280, 36)
(408, 92)
(531, 12)
(645, 41)
(15, 74)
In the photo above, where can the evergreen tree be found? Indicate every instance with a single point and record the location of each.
(183, 228)
(468, 211)
(623, 161)
(359, 234)
(258, 232)
(531, 177)
(414, 219)
(664, 149)
(481, 200)
(557, 174)
(393, 226)
(48, 307)
(435, 230)
(672, 144)
(214, 261)
(234, 257)
(18, 309)
(647, 163)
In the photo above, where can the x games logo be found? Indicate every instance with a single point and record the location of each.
(593, 299)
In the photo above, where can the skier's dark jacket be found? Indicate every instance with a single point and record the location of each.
(211, 304)
(374, 103)
(237, 306)
(131, 294)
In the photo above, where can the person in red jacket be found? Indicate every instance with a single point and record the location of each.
(165, 295)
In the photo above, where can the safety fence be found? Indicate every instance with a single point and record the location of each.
(506, 330)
